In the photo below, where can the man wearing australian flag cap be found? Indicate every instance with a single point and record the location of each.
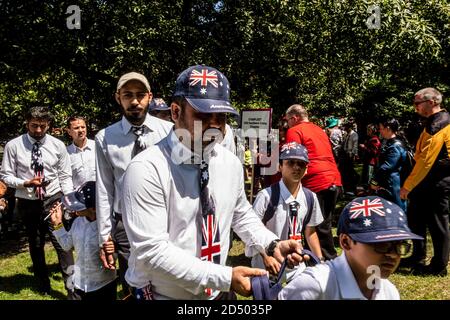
(374, 235)
(183, 196)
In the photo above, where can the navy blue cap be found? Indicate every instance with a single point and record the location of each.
(373, 219)
(158, 104)
(294, 150)
(81, 199)
(205, 88)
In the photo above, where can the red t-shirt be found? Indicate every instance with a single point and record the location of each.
(322, 169)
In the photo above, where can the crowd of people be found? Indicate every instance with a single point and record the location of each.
(153, 201)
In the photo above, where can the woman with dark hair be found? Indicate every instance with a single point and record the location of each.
(386, 179)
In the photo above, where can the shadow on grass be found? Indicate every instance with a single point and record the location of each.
(54, 271)
(13, 245)
(16, 283)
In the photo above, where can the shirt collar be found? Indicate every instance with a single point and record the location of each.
(126, 125)
(182, 154)
(88, 146)
(286, 194)
(33, 140)
(348, 286)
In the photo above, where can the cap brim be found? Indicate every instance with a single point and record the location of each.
(384, 236)
(294, 157)
(161, 109)
(71, 202)
(211, 106)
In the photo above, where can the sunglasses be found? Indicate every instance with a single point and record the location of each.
(402, 248)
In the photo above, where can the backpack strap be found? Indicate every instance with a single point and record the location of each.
(310, 203)
(273, 202)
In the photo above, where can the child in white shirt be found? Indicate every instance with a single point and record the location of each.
(90, 280)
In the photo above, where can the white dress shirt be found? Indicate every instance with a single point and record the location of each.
(333, 280)
(83, 162)
(279, 223)
(114, 146)
(16, 166)
(89, 274)
(162, 219)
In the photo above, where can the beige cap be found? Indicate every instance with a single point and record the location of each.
(132, 76)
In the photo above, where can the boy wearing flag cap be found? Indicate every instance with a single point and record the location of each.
(90, 280)
(183, 196)
(292, 218)
(373, 234)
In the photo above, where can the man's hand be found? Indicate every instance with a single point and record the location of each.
(106, 256)
(35, 182)
(272, 265)
(291, 250)
(240, 279)
(404, 193)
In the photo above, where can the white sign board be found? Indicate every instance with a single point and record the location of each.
(258, 121)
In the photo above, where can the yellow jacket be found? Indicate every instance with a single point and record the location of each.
(428, 147)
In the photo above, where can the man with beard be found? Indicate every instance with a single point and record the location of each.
(183, 196)
(37, 165)
(116, 145)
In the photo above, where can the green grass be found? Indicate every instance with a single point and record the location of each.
(17, 281)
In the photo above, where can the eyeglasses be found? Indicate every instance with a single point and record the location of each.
(402, 248)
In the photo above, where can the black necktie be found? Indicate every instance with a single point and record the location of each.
(210, 227)
(37, 165)
(294, 223)
(138, 143)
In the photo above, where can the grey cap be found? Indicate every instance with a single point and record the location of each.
(132, 76)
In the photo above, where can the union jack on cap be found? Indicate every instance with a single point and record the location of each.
(205, 88)
(294, 150)
(374, 219)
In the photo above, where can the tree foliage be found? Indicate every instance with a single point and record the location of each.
(274, 52)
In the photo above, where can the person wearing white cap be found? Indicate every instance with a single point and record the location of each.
(116, 145)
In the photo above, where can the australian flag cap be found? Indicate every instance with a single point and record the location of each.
(294, 150)
(81, 199)
(158, 104)
(373, 219)
(205, 88)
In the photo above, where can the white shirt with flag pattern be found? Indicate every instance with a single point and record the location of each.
(161, 218)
